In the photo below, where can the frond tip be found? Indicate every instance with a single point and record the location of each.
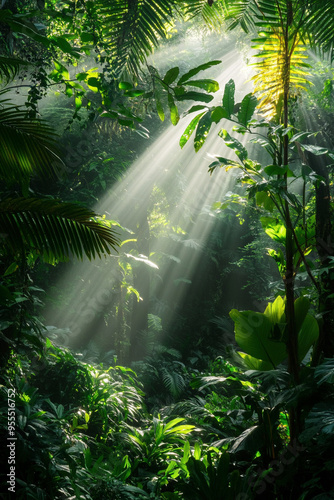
(53, 229)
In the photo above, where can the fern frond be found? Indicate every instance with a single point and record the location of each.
(173, 381)
(189, 408)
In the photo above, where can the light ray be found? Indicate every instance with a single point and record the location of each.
(93, 288)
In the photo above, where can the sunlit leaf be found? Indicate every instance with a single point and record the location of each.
(202, 131)
(189, 130)
(208, 85)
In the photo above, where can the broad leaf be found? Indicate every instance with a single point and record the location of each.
(171, 75)
(218, 113)
(194, 96)
(254, 333)
(247, 108)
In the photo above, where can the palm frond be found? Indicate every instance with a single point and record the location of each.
(273, 71)
(9, 68)
(133, 29)
(212, 15)
(318, 25)
(53, 229)
(27, 146)
(240, 13)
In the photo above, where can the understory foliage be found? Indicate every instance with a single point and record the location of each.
(87, 431)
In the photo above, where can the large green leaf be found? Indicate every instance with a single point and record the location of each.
(262, 335)
(255, 334)
(247, 108)
(174, 114)
(255, 363)
(194, 96)
(56, 230)
(307, 336)
(171, 75)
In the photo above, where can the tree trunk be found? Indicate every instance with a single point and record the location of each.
(325, 250)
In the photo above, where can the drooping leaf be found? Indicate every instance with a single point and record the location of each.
(234, 144)
(9, 67)
(184, 78)
(228, 98)
(202, 131)
(29, 147)
(174, 114)
(189, 130)
(194, 96)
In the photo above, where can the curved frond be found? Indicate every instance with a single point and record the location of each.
(173, 381)
(132, 29)
(318, 25)
(240, 13)
(27, 146)
(9, 67)
(275, 69)
(212, 15)
(55, 230)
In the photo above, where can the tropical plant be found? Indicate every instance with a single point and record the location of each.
(283, 29)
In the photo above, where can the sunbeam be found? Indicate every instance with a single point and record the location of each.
(170, 262)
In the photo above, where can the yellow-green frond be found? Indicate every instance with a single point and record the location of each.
(279, 67)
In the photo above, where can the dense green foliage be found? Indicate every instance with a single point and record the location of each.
(170, 403)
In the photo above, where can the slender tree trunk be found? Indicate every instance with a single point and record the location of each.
(289, 281)
(325, 250)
